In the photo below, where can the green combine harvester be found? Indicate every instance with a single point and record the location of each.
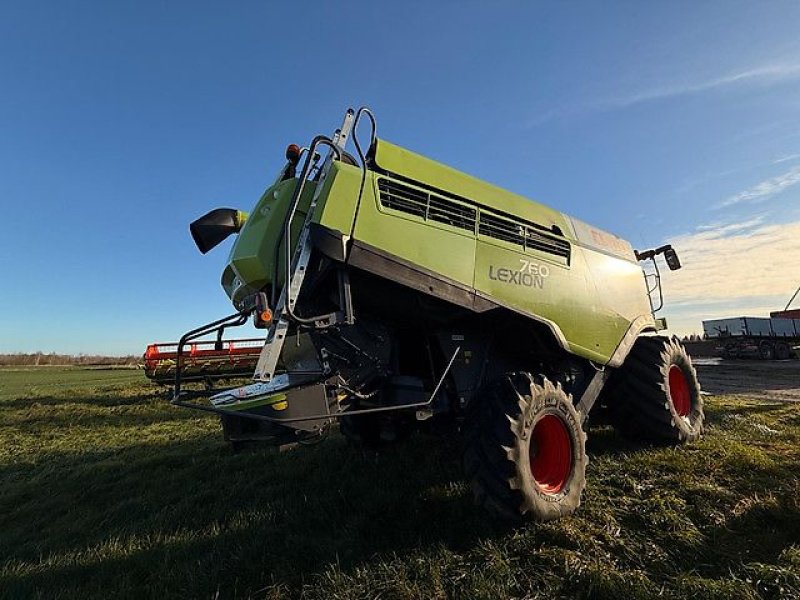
(400, 294)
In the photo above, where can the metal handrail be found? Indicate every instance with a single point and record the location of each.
(234, 320)
(329, 415)
(287, 229)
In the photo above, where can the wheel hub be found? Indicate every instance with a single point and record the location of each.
(550, 454)
(679, 391)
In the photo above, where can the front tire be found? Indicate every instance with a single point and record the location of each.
(656, 394)
(525, 450)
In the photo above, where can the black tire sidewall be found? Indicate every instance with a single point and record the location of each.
(691, 425)
(545, 505)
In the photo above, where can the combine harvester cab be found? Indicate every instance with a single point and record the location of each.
(400, 294)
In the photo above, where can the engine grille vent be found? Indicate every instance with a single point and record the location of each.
(427, 206)
(501, 229)
(524, 234)
(433, 207)
(536, 240)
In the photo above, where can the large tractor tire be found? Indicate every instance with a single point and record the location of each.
(525, 450)
(655, 395)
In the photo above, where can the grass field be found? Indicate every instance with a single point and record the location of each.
(107, 491)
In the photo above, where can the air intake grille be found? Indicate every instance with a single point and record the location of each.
(403, 198)
(536, 240)
(428, 206)
(501, 229)
(433, 207)
(524, 234)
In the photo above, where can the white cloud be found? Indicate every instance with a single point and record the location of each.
(769, 74)
(787, 158)
(717, 230)
(732, 270)
(764, 190)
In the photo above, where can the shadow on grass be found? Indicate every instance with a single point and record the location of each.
(759, 533)
(191, 514)
(180, 515)
(119, 409)
(108, 419)
(603, 440)
(110, 397)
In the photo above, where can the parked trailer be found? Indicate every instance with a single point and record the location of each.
(755, 337)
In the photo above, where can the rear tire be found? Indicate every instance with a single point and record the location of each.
(766, 351)
(656, 394)
(525, 450)
(782, 351)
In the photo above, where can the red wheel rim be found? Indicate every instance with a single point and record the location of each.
(550, 454)
(679, 391)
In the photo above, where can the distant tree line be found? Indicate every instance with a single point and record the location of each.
(53, 359)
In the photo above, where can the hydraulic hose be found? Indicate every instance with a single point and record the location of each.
(373, 136)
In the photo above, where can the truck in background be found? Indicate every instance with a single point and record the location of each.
(776, 337)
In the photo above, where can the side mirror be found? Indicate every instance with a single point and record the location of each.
(673, 262)
(213, 227)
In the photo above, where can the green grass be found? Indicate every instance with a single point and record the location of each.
(107, 491)
(18, 382)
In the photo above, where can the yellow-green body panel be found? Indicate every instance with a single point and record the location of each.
(589, 299)
(399, 160)
(592, 313)
(252, 257)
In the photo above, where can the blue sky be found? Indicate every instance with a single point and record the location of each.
(120, 122)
